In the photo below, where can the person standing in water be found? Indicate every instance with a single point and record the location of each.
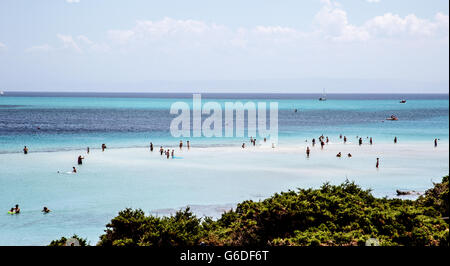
(181, 144)
(378, 163)
(161, 150)
(173, 153)
(45, 210)
(435, 143)
(395, 140)
(87, 150)
(307, 151)
(17, 209)
(370, 141)
(168, 153)
(243, 145)
(360, 141)
(327, 140)
(322, 144)
(313, 142)
(74, 170)
(188, 144)
(80, 160)
(25, 150)
(345, 139)
(103, 147)
(151, 146)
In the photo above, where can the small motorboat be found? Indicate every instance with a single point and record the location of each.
(393, 118)
(403, 101)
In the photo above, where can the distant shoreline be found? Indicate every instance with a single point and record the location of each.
(239, 95)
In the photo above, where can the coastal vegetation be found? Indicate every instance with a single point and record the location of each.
(333, 215)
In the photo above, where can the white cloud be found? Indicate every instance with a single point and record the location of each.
(373, 1)
(69, 43)
(39, 48)
(72, 1)
(331, 21)
(391, 25)
(331, 24)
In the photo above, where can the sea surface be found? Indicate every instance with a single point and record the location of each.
(216, 173)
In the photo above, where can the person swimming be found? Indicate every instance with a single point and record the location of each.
(74, 170)
(45, 210)
(307, 151)
(12, 211)
(80, 160)
(25, 150)
(339, 155)
(17, 209)
(349, 155)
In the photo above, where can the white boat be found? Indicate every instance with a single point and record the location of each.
(323, 98)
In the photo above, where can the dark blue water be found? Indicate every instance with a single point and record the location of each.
(58, 121)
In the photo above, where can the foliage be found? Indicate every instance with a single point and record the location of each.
(437, 197)
(342, 215)
(62, 241)
(133, 228)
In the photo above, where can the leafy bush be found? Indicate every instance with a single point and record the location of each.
(62, 241)
(343, 215)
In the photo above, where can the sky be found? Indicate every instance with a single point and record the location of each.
(365, 46)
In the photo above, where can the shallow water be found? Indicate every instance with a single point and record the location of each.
(212, 176)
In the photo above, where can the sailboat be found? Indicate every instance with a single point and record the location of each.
(323, 98)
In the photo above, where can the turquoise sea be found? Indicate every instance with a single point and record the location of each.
(215, 173)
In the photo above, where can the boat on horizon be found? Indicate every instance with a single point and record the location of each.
(402, 101)
(323, 98)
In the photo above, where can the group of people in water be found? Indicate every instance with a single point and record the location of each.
(16, 210)
(171, 153)
(324, 140)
